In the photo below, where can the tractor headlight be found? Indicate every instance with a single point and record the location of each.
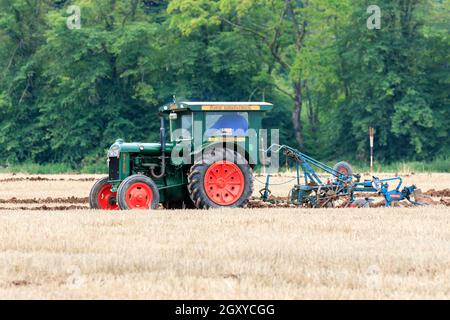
(114, 151)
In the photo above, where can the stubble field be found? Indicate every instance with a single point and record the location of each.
(52, 246)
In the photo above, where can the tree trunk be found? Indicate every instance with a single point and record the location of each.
(312, 111)
(315, 128)
(296, 121)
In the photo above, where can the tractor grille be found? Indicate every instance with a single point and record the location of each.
(113, 168)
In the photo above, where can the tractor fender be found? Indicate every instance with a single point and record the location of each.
(197, 154)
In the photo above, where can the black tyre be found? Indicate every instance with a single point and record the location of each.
(343, 168)
(223, 178)
(137, 192)
(101, 196)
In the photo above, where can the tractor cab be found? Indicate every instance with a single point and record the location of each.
(143, 175)
(204, 123)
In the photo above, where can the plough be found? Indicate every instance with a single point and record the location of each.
(340, 188)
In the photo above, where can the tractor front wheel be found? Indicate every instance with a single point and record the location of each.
(137, 192)
(101, 196)
(217, 182)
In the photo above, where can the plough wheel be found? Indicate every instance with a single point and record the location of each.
(137, 192)
(101, 196)
(343, 168)
(215, 181)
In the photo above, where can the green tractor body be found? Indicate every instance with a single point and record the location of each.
(217, 141)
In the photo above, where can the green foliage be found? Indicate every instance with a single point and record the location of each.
(66, 95)
(389, 85)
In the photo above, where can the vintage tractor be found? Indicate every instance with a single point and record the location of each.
(206, 163)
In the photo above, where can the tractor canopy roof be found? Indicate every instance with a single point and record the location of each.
(216, 106)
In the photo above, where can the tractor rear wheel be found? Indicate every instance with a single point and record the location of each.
(101, 196)
(216, 182)
(137, 192)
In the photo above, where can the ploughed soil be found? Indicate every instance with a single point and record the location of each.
(47, 208)
(438, 193)
(82, 203)
(39, 178)
(46, 200)
(423, 198)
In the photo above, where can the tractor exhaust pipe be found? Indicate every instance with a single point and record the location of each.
(162, 134)
(162, 141)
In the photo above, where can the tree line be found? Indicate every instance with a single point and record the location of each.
(67, 93)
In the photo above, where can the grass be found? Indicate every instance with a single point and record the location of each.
(226, 254)
(380, 253)
(52, 168)
(440, 164)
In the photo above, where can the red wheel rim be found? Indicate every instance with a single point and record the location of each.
(139, 196)
(224, 183)
(107, 199)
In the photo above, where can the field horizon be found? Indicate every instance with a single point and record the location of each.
(437, 165)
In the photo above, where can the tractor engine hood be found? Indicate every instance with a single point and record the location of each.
(137, 147)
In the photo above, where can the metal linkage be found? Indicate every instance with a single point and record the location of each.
(316, 193)
(304, 160)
